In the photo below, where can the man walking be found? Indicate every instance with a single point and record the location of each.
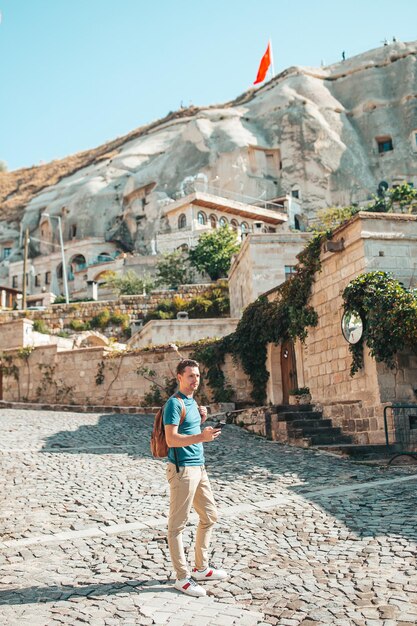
(188, 481)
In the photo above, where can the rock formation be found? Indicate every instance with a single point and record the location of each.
(310, 132)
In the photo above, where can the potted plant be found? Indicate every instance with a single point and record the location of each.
(301, 395)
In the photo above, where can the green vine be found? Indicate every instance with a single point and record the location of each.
(100, 373)
(50, 387)
(286, 317)
(389, 313)
(212, 354)
(10, 369)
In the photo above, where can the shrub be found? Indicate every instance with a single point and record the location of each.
(79, 326)
(119, 319)
(40, 327)
(101, 320)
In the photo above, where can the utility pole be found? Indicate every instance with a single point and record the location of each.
(25, 262)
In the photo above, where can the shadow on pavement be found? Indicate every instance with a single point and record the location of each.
(36, 595)
(238, 455)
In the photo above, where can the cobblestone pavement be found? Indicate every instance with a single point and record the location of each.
(308, 538)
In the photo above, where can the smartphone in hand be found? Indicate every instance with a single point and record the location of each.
(220, 425)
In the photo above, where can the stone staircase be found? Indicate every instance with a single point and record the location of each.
(302, 425)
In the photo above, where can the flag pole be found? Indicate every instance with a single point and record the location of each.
(272, 58)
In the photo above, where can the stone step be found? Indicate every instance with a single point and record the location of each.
(322, 439)
(289, 408)
(361, 451)
(302, 415)
(310, 424)
(311, 432)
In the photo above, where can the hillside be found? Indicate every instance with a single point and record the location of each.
(310, 132)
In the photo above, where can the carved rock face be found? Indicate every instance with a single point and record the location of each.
(310, 130)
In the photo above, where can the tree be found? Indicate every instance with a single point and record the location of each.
(173, 269)
(213, 252)
(130, 284)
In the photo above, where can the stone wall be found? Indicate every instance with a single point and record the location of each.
(371, 242)
(20, 333)
(94, 376)
(260, 266)
(15, 334)
(60, 315)
(162, 332)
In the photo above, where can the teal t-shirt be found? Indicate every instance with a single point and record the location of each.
(188, 455)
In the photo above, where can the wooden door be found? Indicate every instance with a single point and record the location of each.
(288, 369)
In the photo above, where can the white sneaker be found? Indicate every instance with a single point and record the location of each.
(190, 587)
(210, 573)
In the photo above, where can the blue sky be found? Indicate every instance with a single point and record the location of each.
(77, 73)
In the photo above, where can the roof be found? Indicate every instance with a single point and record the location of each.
(217, 203)
(9, 289)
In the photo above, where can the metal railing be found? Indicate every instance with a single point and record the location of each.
(404, 416)
(203, 187)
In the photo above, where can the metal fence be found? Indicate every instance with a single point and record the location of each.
(404, 422)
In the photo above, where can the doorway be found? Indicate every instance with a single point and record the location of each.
(288, 369)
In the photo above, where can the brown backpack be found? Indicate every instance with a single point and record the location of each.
(159, 447)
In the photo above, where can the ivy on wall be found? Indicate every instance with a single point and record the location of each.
(389, 314)
(287, 316)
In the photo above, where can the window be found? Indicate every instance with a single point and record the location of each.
(234, 224)
(244, 227)
(201, 218)
(264, 161)
(289, 271)
(384, 144)
(6, 252)
(47, 278)
(213, 221)
(14, 282)
(73, 231)
(295, 193)
(37, 280)
(223, 221)
(182, 221)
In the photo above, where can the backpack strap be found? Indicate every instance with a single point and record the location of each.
(182, 418)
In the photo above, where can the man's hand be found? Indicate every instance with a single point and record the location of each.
(210, 433)
(203, 413)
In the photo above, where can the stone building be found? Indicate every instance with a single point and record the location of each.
(202, 211)
(264, 261)
(368, 242)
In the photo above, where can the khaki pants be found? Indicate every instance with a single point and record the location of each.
(189, 487)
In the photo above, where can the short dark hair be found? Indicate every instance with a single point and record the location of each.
(186, 363)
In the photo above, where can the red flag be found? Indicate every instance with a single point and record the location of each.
(264, 65)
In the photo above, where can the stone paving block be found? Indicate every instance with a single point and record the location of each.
(304, 536)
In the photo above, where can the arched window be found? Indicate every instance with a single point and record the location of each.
(234, 224)
(244, 227)
(201, 218)
(223, 221)
(78, 263)
(182, 221)
(213, 221)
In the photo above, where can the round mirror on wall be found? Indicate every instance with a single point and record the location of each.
(352, 326)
